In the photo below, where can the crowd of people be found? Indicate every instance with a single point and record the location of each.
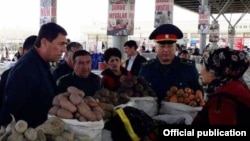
(30, 85)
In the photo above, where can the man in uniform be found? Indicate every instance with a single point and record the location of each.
(167, 69)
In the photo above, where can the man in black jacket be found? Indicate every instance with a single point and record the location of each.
(27, 46)
(67, 65)
(30, 87)
(82, 77)
(135, 60)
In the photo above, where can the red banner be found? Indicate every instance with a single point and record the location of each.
(238, 43)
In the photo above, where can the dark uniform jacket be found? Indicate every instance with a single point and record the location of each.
(89, 85)
(61, 70)
(136, 64)
(30, 90)
(181, 73)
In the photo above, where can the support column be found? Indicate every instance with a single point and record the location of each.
(120, 23)
(203, 36)
(214, 34)
(231, 36)
(118, 42)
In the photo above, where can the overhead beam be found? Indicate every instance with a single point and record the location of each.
(224, 8)
(235, 7)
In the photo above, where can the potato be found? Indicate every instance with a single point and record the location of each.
(53, 110)
(69, 136)
(41, 136)
(82, 119)
(85, 111)
(67, 105)
(103, 92)
(52, 126)
(99, 109)
(21, 126)
(56, 101)
(30, 134)
(62, 95)
(72, 89)
(62, 113)
(90, 101)
(106, 106)
(97, 96)
(16, 137)
(75, 98)
(113, 94)
(98, 115)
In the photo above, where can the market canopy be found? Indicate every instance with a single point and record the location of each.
(217, 6)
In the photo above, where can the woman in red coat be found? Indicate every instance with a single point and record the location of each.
(223, 71)
(111, 75)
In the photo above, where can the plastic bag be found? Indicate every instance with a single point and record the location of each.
(172, 108)
(129, 103)
(85, 131)
(148, 104)
(175, 119)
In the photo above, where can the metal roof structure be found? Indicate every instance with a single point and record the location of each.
(217, 6)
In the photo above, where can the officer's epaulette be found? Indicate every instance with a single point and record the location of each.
(149, 62)
(187, 61)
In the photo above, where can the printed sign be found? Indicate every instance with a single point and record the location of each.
(204, 18)
(47, 11)
(214, 32)
(163, 12)
(121, 17)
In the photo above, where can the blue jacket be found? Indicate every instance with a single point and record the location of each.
(30, 90)
(181, 73)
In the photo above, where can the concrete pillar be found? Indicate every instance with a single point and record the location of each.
(215, 31)
(118, 42)
(203, 36)
(231, 36)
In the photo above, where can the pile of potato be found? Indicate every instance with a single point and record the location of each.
(131, 86)
(53, 129)
(186, 96)
(108, 109)
(73, 105)
(106, 96)
(108, 99)
(135, 86)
